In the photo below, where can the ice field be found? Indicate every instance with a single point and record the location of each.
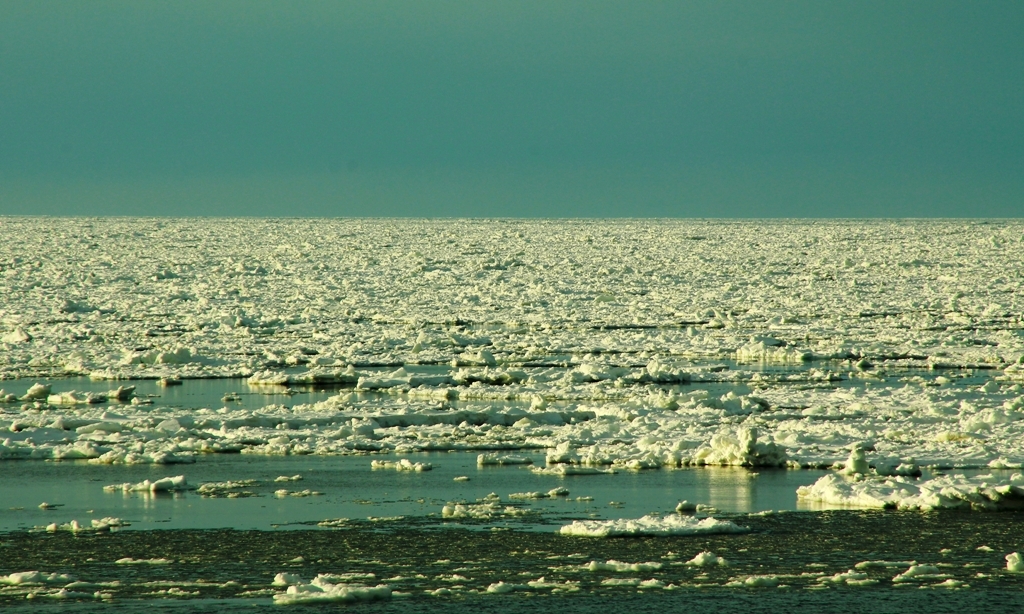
(675, 378)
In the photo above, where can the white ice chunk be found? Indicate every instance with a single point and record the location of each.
(35, 577)
(177, 355)
(484, 510)
(956, 491)
(562, 470)
(766, 580)
(17, 335)
(857, 462)
(561, 491)
(37, 392)
(285, 578)
(851, 577)
(619, 566)
(99, 525)
(130, 561)
(403, 464)
(706, 559)
(162, 485)
(917, 573)
(284, 492)
(321, 590)
(498, 459)
(501, 587)
(651, 525)
(742, 448)
(1015, 562)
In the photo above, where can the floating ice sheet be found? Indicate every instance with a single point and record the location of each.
(943, 492)
(651, 526)
(321, 589)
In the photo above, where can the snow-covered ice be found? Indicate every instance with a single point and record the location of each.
(490, 507)
(650, 525)
(167, 484)
(35, 577)
(706, 559)
(130, 561)
(983, 492)
(502, 459)
(321, 589)
(755, 581)
(621, 567)
(920, 573)
(98, 525)
(879, 349)
(402, 464)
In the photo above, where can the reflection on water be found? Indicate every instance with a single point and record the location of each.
(353, 490)
(148, 500)
(731, 489)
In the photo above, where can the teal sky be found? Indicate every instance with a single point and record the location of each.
(492, 108)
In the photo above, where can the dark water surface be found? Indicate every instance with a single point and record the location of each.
(229, 571)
